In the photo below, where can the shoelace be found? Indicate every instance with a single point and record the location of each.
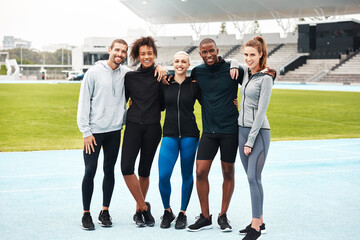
(88, 219)
(106, 216)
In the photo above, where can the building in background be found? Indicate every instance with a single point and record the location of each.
(10, 42)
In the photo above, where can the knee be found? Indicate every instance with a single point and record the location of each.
(89, 173)
(164, 177)
(109, 171)
(126, 170)
(228, 173)
(201, 175)
(251, 179)
(144, 172)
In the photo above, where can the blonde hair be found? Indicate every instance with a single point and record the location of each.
(184, 53)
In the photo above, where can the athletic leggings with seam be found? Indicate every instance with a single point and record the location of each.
(139, 137)
(110, 143)
(169, 151)
(253, 165)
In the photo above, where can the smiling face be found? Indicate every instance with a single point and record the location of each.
(117, 54)
(252, 59)
(181, 63)
(146, 56)
(209, 53)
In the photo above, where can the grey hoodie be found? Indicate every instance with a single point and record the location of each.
(255, 97)
(102, 105)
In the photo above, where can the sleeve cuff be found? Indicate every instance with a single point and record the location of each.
(87, 133)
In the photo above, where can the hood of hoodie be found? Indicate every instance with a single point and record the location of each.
(104, 66)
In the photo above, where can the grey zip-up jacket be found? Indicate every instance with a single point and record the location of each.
(255, 97)
(102, 105)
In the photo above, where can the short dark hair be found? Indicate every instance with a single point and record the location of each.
(119, 40)
(143, 41)
(207, 40)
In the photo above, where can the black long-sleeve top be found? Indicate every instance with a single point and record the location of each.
(179, 103)
(146, 95)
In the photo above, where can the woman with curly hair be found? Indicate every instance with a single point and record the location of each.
(143, 129)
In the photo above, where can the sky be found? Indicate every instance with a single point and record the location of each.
(45, 22)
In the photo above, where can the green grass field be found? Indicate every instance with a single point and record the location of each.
(43, 116)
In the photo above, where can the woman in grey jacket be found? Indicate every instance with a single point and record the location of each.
(254, 128)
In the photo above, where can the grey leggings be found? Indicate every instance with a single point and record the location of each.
(253, 165)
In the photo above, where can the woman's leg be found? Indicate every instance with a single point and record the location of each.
(168, 155)
(188, 148)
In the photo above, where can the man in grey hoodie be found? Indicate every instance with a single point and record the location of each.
(100, 117)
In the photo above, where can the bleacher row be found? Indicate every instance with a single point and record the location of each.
(314, 70)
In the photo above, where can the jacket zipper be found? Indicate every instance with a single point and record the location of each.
(243, 107)
(178, 106)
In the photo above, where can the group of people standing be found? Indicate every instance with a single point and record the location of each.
(107, 87)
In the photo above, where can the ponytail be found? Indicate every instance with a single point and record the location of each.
(259, 44)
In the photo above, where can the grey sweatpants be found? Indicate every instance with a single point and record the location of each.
(253, 165)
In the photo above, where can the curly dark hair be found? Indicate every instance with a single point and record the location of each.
(143, 41)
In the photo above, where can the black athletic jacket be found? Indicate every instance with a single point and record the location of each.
(179, 103)
(218, 91)
(146, 95)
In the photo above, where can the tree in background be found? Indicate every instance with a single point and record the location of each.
(223, 29)
(32, 56)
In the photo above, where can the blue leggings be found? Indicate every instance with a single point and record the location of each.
(169, 151)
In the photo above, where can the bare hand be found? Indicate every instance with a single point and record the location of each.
(160, 72)
(166, 79)
(247, 150)
(89, 143)
(234, 73)
(236, 103)
(130, 103)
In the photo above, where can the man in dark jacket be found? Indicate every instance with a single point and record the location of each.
(219, 117)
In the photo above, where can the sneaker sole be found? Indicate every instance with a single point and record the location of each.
(87, 229)
(202, 228)
(150, 225)
(226, 230)
(103, 225)
(140, 225)
(262, 232)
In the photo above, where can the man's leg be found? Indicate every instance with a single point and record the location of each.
(228, 171)
(202, 185)
(228, 150)
(111, 150)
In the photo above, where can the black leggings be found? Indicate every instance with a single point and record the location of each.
(139, 136)
(110, 142)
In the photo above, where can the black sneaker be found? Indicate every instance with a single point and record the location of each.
(138, 219)
(181, 221)
(247, 229)
(167, 218)
(224, 223)
(148, 218)
(86, 222)
(105, 219)
(200, 224)
(252, 235)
